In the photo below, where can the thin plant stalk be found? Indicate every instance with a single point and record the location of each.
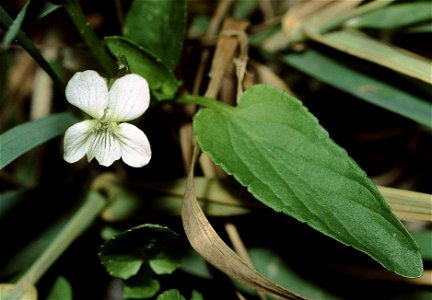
(99, 52)
(79, 222)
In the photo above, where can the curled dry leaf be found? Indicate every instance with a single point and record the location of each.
(213, 249)
(23, 290)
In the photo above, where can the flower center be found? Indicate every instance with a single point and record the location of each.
(105, 127)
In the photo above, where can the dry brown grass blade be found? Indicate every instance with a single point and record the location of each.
(408, 205)
(186, 138)
(266, 9)
(224, 54)
(23, 291)
(213, 249)
(298, 14)
(240, 249)
(335, 11)
(225, 50)
(307, 14)
(264, 74)
(43, 90)
(240, 62)
(214, 25)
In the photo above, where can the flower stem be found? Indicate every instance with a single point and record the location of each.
(78, 18)
(205, 102)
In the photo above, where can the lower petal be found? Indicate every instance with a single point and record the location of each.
(77, 139)
(135, 147)
(105, 148)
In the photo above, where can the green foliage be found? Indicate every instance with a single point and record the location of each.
(23, 258)
(162, 81)
(141, 286)
(5, 23)
(60, 290)
(41, 7)
(15, 27)
(270, 142)
(276, 269)
(134, 254)
(243, 9)
(275, 147)
(351, 79)
(424, 240)
(170, 295)
(393, 17)
(22, 138)
(158, 27)
(380, 53)
(196, 296)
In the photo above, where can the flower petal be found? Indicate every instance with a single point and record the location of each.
(135, 147)
(129, 97)
(77, 139)
(105, 148)
(89, 92)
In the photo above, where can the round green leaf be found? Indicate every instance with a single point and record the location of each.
(124, 254)
(170, 295)
(278, 150)
(141, 286)
(164, 263)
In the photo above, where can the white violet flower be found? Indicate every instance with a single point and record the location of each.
(106, 137)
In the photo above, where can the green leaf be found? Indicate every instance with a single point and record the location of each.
(393, 16)
(378, 52)
(170, 295)
(425, 27)
(141, 286)
(29, 46)
(159, 27)
(22, 138)
(9, 200)
(61, 290)
(424, 240)
(194, 264)
(242, 10)
(125, 254)
(345, 77)
(271, 265)
(15, 27)
(275, 147)
(162, 81)
(163, 263)
(40, 8)
(196, 295)
(47, 9)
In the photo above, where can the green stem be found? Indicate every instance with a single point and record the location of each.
(206, 102)
(29, 46)
(99, 52)
(80, 221)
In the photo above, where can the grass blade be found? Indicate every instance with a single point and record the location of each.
(386, 55)
(343, 76)
(22, 138)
